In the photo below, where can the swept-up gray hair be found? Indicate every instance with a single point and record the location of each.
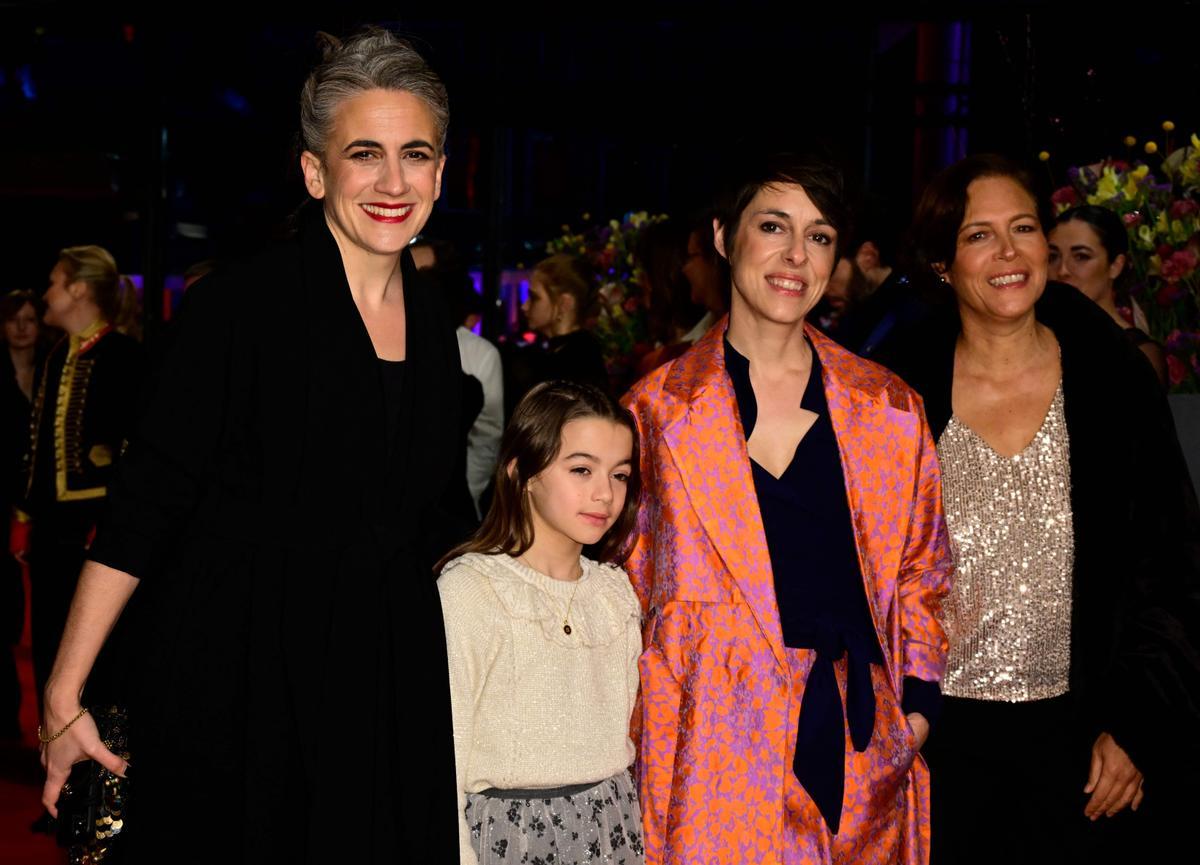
(371, 60)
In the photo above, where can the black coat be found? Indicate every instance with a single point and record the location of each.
(296, 700)
(1135, 671)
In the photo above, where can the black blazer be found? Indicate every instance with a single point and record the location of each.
(1135, 670)
(294, 653)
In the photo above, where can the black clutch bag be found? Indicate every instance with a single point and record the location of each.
(92, 805)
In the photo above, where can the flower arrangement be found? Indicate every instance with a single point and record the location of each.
(1163, 221)
(620, 319)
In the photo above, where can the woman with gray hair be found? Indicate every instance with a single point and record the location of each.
(277, 508)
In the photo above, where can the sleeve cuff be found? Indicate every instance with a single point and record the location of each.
(924, 697)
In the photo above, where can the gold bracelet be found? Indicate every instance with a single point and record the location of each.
(46, 740)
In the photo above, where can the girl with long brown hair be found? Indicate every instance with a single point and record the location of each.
(543, 642)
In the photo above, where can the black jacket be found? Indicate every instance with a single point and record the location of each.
(82, 410)
(296, 691)
(1135, 670)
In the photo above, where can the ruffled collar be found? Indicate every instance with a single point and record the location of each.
(603, 605)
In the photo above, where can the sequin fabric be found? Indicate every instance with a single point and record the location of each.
(720, 697)
(1009, 614)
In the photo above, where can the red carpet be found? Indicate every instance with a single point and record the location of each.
(21, 780)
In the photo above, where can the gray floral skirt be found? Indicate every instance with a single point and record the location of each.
(601, 823)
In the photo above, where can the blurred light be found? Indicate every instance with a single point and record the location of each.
(235, 101)
(25, 74)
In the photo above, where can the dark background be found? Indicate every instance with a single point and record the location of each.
(173, 142)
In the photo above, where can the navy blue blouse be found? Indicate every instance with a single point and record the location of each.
(820, 593)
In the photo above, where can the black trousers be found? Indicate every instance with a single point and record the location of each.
(1006, 786)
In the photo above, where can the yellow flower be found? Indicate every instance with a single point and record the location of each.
(1044, 156)
(1168, 126)
(1140, 172)
(1106, 187)
(1130, 141)
(1151, 147)
(1145, 234)
(586, 217)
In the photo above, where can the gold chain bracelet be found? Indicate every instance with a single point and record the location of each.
(46, 740)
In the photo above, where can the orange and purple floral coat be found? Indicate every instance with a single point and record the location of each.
(720, 692)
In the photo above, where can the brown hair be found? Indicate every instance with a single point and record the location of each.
(531, 443)
(568, 274)
(943, 206)
(14, 301)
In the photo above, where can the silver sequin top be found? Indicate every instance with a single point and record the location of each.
(1008, 616)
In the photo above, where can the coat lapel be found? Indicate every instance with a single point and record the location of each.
(875, 444)
(708, 446)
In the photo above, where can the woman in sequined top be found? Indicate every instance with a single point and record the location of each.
(1071, 670)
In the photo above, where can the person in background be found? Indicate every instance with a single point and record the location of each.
(82, 412)
(480, 361)
(21, 361)
(707, 276)
(561, 298)
(1089, 249)
(660, 256)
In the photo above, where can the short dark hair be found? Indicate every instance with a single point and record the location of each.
(821, 181)
(1108, 227)
(943, 205)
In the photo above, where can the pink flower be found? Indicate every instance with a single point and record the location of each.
(1065, 196)
(1179, 265)
(1184, 208)
(1168, 293)
(1176, 370)
(1164, 251)
(631, 304)
(1132, 218)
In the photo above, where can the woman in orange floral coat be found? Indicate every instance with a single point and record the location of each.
(791, 561)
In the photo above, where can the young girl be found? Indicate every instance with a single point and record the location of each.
(544, 643)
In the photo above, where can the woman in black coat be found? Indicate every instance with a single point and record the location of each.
(1074, 682)
(277, 508)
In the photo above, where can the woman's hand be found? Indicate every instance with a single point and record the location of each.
(80, 742)
(1113, 780)
(920, 728)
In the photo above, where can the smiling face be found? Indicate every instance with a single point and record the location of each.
(999, 268)
(1078, 258)
(784, 255)
(381, 172)
(581, 493)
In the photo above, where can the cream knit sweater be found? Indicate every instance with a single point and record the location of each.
(533, 706)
